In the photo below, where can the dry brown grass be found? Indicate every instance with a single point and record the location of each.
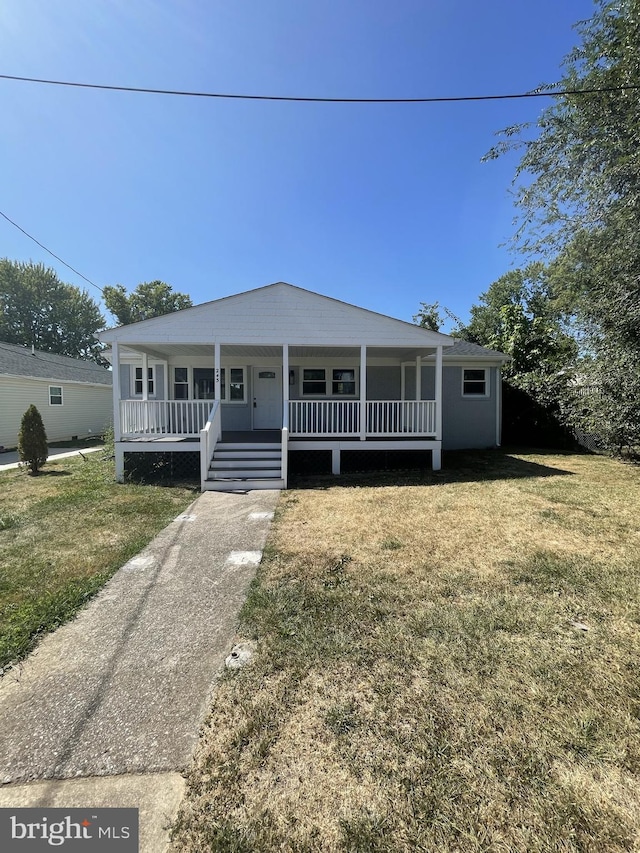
(419, 684)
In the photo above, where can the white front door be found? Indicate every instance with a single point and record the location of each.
(267, 398)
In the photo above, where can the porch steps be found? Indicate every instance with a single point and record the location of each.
(243, 466)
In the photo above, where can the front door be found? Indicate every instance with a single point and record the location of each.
(267, 398)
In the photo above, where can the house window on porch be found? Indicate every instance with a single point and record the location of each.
(314, 381)
(344, 383)
(180, 383)
(137, 383)
(234, 389)
(475, 382)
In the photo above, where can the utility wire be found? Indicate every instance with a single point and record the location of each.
(15, 224)
(230, 96)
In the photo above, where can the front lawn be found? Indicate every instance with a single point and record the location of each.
(449, 663)
(62, 535)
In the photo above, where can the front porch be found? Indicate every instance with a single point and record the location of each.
(255, 403)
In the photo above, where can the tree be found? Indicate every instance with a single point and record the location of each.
(578, 197)
(429, 316)
(32, 440)
(37, 309)
(149, 299)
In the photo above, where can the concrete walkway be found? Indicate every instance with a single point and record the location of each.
(113, 701)
(10, 459)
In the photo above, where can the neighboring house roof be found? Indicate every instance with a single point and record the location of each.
(20, 361)
(276, 314)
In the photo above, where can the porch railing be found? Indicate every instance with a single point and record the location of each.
(163, 417)
(324, 417)
(401, 417)
(384, 418)
(209, 436)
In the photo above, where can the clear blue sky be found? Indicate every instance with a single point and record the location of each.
(384, 206)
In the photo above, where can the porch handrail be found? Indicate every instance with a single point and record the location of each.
(163, 417)
(209, 437)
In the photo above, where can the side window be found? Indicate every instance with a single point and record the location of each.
(55, 395)
(137, 384)
(475, 382)
(234, 384)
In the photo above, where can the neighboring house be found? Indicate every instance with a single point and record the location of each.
(73, 396)
(253, 377)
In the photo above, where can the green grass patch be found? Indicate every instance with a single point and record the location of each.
(62, 535)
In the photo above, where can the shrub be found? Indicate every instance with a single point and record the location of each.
(32, 440)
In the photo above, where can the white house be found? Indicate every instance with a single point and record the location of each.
(73, 396)
(253, 377)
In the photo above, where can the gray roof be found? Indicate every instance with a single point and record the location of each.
(19, 361)
(465, 349)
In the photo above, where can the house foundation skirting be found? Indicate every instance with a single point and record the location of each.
(337, 446)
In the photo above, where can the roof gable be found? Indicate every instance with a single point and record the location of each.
(21, 361)
(276, 314)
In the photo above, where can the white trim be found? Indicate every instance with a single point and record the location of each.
(363, 393)
(438, 397)
(487, 383)
(117, 432)
(61, 395)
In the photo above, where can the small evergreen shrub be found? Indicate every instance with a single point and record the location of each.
(32, 440)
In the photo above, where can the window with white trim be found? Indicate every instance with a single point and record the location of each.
(180, 383)
(344, 383)
(475, 382)
(314, 382)
(234, 388)
(137, 381)
(329, 382)
(55, 395)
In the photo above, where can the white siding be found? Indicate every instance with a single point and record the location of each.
(276, 314)
(86, 409)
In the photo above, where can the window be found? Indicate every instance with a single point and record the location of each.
(236, 384)
(180, 383)
(137, 382)
(344, 383)
(235, 392)
(314, 381)
(474, 382)
(55, 395)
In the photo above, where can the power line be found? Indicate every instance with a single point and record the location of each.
(298, 99)
(53, 255)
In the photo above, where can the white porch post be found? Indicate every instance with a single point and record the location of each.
(418, 377)
(145, 376)
(285, 385)
(117, 431)
(217, 382)
(439, 393)
(363, 392)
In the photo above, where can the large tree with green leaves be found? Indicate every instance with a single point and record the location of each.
(149, 299)
(578, 199)
(37, 309)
